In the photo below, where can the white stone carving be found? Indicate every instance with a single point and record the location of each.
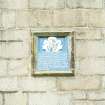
(52, 44)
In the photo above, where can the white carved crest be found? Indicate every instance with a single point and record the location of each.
(52, 44)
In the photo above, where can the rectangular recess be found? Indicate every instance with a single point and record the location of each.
(53, 53)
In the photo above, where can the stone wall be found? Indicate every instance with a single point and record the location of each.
(18, 18)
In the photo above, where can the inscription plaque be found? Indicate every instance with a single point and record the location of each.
(53, 53)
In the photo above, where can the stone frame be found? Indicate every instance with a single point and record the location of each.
(34, 59)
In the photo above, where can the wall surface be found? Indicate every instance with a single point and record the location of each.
(18, 18)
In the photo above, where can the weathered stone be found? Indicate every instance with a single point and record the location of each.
(8, 84)
(78, 95)
(18, 18)
(33, 17)
(37, 84)
(98, 95)
(77, 65)
(90, 48)
(10, 49)
(45, 18)
(15, 99)
(103, 33)
(86, 83)
(80, 103)
(16, 35)
(90, 66)
(73, 18)
(1, 100)
(83, 103)
(8, 19)
(0, 18)
(85, 3)
(86, 33)
(3, 67)
(99, 102)
(96, 18)
(42, 18)
(49, 99)
(79, 18)
(103, 82)
(53, 29)
(14, 4)
(18, 67)
(47, 4)
(22, 19)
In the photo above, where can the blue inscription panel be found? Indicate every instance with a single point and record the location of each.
(53, 53)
